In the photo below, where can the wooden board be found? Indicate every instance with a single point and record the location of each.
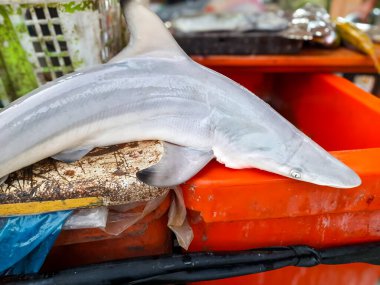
(106, 176)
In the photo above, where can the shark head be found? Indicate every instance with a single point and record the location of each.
(286, 152)
(256, 136)
(302, 159)
(309, 162)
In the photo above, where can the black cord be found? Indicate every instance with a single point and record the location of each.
(202, 266)
(365, 253)
(216, 273)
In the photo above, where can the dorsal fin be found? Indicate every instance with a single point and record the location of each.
(148, 34)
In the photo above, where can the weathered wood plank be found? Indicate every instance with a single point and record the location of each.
(106, 176)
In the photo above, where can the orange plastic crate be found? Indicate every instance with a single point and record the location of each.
(242, 209)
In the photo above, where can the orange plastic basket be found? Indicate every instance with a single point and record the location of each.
(242, 209)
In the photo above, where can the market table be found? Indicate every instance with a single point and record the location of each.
(309, 60)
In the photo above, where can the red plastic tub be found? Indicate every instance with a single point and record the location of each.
(243, 209)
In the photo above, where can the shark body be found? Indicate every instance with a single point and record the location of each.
(153, 91)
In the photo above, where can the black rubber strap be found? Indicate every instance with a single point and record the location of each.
(307, 256)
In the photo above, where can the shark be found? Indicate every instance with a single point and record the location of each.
(152, 90)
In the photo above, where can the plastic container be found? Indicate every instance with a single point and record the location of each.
(150, 236)
(237, 43)
(44, 39)
(243, 209)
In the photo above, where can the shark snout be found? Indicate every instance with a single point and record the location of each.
(339, 176)
(315, 165)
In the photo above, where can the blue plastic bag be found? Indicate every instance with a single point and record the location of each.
(25, 241)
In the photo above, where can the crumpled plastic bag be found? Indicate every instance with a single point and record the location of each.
(26, 241)
(87, 219)
(117, 219)
(121, 218)
(178, 220)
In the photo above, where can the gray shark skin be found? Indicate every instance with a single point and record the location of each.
(153, 91)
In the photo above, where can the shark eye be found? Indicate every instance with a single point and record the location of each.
(295, 173)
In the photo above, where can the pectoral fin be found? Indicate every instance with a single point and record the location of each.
(71, 155)
(3, 179)
(177, 165)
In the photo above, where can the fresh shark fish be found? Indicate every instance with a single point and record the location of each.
(153, 91)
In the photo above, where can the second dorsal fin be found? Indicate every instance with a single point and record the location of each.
(148, 34)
